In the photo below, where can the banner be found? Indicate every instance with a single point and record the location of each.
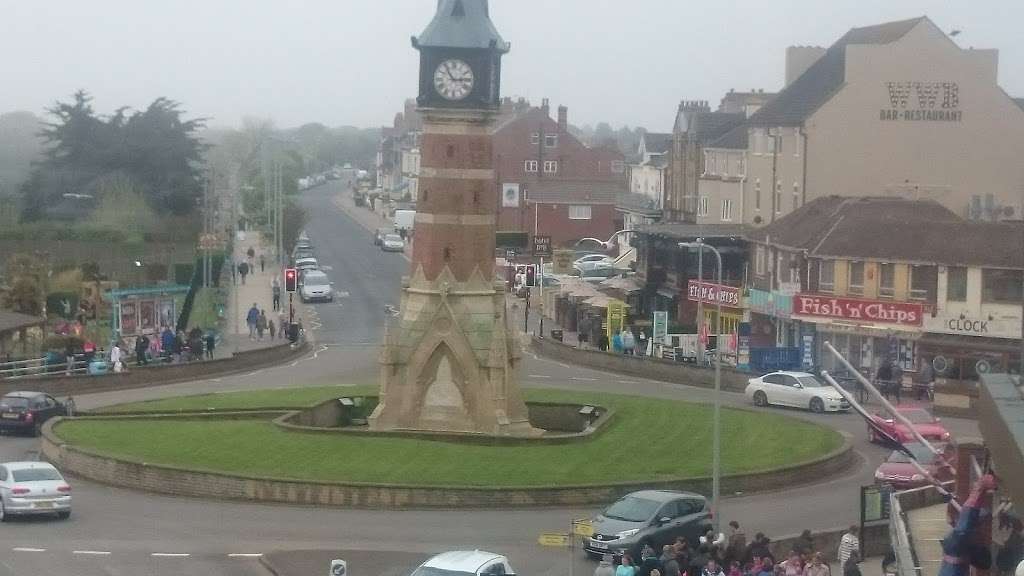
(510, 195)
(869, 311)
(713, 294)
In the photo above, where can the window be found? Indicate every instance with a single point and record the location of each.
(550, 166)
(778, 197)
(757, 194)
(922, 282)
(759, 267)
(796, 138)
(551, 140)
(1001, 286)
(618, 166)
(725, 165)
(956, 284)
(741, 167)
(3, 473)
(827, 276)
(535, 138)
(579, 212)
(530, 166)
(702, 206)
(711, 164)
(857, 278)
(796, 195)
(726, 210)
(886, 280)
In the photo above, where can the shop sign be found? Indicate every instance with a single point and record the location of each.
(860, 311)
(922, 101)
(660, 325)
(973, 326)
(713, 294)
(616, 317)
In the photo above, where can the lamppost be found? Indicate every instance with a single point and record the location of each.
(716, 464)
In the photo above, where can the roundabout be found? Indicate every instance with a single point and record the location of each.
(645, 443)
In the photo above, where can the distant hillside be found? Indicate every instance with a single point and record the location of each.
(20, 145)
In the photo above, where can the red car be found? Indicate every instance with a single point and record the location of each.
(927, 425)
(898, 472)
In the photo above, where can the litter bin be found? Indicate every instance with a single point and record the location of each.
(556, 334)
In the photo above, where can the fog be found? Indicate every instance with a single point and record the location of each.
(347, 62)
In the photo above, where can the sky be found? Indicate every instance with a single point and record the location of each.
(349, 62)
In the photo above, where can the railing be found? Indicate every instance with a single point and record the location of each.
(899, 534)
(35, 367)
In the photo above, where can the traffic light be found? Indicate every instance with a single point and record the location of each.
(291, 277)
(531, 276)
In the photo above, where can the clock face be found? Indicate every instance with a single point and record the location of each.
(453, 80)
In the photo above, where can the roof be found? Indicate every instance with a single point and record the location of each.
(686, 231)
(657, 142)
(462, 560)
(898, 229)
(818, 83)
(735, 139)
(1020, 102)
(10, 321)
(1001, 423)
(550, 191)
(461, 24)
(704, 127)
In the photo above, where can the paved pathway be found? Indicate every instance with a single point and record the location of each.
(256, 290)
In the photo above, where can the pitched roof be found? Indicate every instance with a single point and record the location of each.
(894, 229)
(657, 142)
(550, 191)
(735, 139)
(1020, 102)
(706, 127)
(461, 24)
(10, 321)
(818, 83)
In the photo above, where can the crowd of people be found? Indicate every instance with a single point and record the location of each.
(732, 555)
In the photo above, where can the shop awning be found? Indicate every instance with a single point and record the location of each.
(627, 284)
(976, 343)
(601, 301)
(667, 293)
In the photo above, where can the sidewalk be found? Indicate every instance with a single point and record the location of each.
(256, 290)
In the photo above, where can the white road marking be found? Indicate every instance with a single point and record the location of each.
(91, 552)
(170, 555)
(245, 555)
(29, 549)
(538, 376)
(578, 378)
(629, 381)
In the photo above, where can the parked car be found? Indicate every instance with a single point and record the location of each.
(33, 488)
(593, 258)
(301, 253)
(795, 389)
(392, 243)
(28, 411)
(901, 474)
(303, 244)
(465, 563)
(656, 517)
(378, 236)
(927, 425)
(303, 264)
(315, 285)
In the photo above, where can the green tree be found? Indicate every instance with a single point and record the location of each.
(24, 292)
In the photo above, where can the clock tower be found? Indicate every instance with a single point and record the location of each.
(450, 360)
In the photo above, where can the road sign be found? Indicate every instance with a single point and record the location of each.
(557, 539)
(542, 246)
(582, 528)
(338, 568)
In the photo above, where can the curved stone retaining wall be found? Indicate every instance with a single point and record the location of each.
(197, 483)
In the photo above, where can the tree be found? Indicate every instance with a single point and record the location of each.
(24, 293)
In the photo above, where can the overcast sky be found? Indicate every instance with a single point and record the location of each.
(350, 62)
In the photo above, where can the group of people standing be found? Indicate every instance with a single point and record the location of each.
(259, 324)
(732, 555)
(624, 342)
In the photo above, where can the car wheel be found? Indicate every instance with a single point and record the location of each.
(64, 514)
(760, 398)
(817, 405)
(3, 515)
(37, 429)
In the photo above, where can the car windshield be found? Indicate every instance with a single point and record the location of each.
(921, 453)
(35, 474)
(431, 571)
(13, 402)
(810, 382)
(393, 238)
(315, 279)
(917, 416)
(632, 509)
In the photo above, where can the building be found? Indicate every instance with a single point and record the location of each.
(552, 183)
(888, 278)
(643, 203)
(896, 109)
(398, 155)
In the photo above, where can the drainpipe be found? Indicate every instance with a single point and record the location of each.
(775, 164)
(803, 136)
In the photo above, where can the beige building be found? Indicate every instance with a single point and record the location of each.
(895, 109)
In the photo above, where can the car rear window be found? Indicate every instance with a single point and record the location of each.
(316, 279)
(13, 402)
(431, 571)
(35, 474)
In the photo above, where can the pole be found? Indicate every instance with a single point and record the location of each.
(541, 297)
(716, 448)
(700, 305)
(526, 312)
(291, 309)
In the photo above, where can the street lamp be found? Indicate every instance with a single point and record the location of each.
(716, 465)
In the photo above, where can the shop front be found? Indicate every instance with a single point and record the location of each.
(865, 332)
(962, 347)
(724, 330)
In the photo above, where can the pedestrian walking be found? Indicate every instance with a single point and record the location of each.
(794, 565)
(243, 269)
(737, 543)
(282, 325)
(272, 329)
(817, 566)
(69, 357)
(251, 319)
(275, 290)
(234, 273)
(617, 342)
(848, 543)
(605, 568)
(261, 324)
(167, 342)
(626, 567)
(850, 567)
(262, 264)
(883, 378)
(925, 383)
(669, 565)
(211, 344)
(897, 380)
(141, 346)
(251, 257)
(115, 358)
(628, 342)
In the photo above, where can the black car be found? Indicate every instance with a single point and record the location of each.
(654, 517)
(28, 411)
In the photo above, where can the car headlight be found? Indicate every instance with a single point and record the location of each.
(917, 477)
(627, 533)
(879, 475)
(945, 435)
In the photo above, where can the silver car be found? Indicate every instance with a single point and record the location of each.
(393, 243)
(29, 488)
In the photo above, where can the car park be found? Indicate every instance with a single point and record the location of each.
(923, 422)
(25, 411)
(797, 390)
(309, 263)
(465, 563)
(33, 488)
(315, 285)
(392, 243)
(655, 517)
(898, 471)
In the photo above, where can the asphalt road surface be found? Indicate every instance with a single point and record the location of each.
(116, 531)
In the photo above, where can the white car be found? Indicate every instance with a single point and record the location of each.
(593, 258)
(315, 285)
(307, 264)
(796, 389)
(29, 488)
(392, 243)
(465, 563)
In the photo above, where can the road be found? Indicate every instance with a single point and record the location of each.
(116, 531)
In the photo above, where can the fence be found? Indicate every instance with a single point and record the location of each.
(43, 366)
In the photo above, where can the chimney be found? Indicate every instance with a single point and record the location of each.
(799, 59)
(545, 107)
(563, 119)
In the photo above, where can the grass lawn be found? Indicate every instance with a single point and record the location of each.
(244, 400)
(646, 440)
